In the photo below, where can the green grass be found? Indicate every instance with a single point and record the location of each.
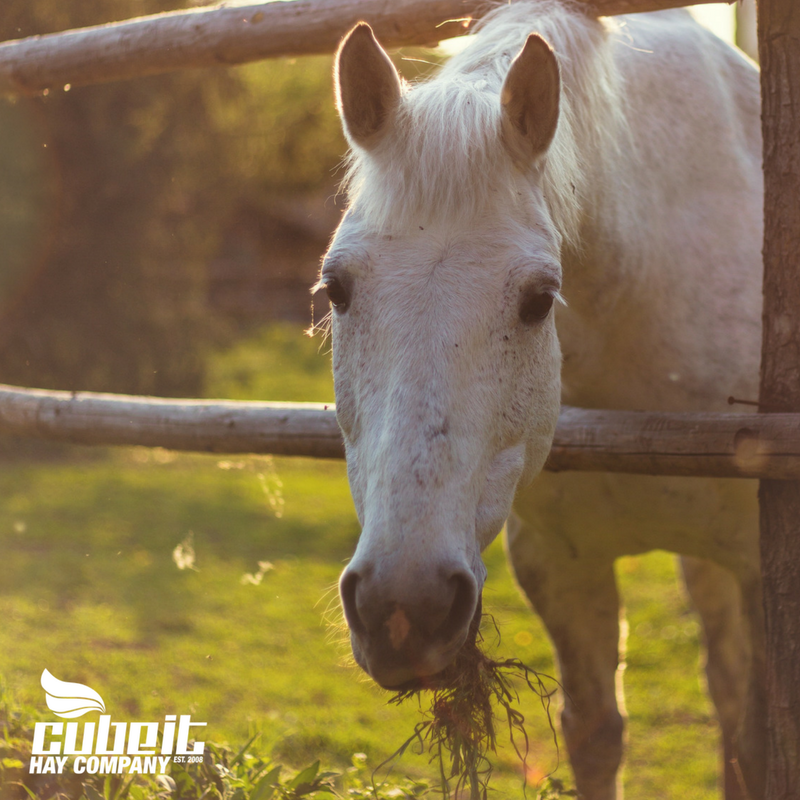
(89, 589)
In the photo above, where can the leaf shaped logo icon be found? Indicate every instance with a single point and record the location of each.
(70, 699)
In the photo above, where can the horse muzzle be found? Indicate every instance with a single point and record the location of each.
(403, 639)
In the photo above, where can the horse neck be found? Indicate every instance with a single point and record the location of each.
(603, 260)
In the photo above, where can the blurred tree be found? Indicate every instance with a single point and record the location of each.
(115, 198)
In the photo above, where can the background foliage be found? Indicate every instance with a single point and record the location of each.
(115, 199)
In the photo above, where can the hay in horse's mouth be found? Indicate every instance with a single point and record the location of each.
(459, 730)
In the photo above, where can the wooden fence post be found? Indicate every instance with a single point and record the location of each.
(779, 51)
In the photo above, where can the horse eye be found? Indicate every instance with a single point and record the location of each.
(536, 306)
(337, 294)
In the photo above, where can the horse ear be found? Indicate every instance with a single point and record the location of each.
(530, 100)
(367, 87)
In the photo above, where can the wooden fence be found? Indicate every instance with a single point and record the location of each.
(652, 443)
(754, 445)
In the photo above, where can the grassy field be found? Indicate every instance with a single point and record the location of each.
(247, 638)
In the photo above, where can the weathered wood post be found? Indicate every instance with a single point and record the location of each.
(779, 51)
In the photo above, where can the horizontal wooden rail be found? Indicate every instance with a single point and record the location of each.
(650, 443)
(222, 36)
(691, 444)
(206, 426)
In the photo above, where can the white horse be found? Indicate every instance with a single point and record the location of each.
(569, 211)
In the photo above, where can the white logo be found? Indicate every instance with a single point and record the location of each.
(105, 747)
(70, 700)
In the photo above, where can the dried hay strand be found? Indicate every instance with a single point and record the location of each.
(459, 731)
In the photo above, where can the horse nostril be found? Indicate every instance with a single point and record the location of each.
(347, 591)
(462, 609)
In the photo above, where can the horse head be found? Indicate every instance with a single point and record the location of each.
(442, 279)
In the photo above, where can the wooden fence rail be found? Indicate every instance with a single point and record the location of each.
(653, 443)
(223, 36)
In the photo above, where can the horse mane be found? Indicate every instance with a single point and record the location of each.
(443, 157)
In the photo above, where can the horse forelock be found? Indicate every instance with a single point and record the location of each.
(443, 159)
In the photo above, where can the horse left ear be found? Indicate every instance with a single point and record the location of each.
(368, 87)
(530, 100)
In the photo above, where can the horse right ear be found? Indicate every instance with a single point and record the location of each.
(530, 101)
(367, 87)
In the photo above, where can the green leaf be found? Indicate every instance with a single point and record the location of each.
(91, 793)
(306, 776)
(265, 788)
(241, 753)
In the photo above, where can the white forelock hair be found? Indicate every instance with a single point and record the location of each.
(443, 158)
